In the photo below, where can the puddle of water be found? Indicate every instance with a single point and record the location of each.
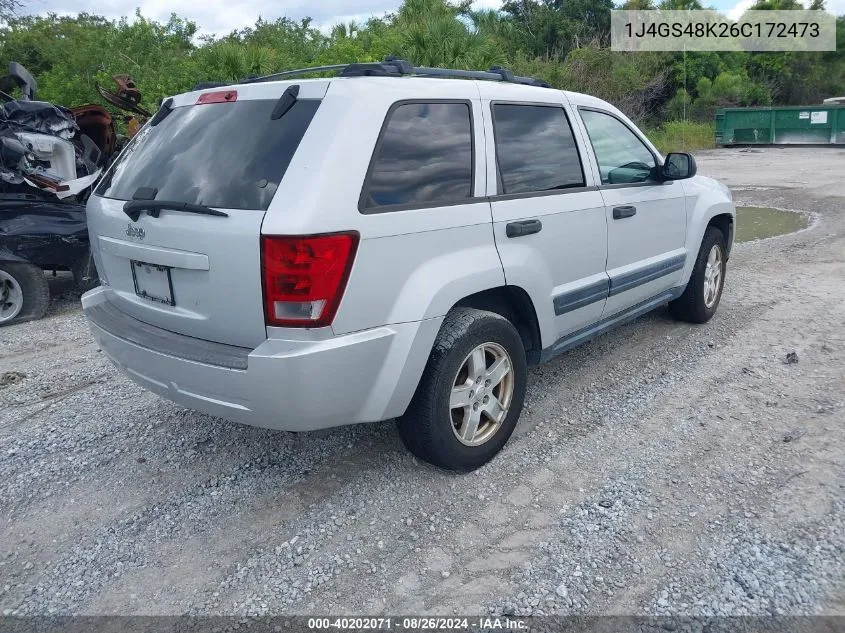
(754, 223)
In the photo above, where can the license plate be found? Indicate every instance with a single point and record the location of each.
(153, 282)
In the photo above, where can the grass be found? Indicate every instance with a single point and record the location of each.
(683, 136)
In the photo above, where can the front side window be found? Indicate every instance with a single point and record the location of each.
(621, 155)
(535, 149)
(424, 157)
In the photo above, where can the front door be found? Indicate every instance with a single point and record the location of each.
(646, 219)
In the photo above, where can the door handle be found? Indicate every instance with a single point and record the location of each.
(624, 212)
(523, 227)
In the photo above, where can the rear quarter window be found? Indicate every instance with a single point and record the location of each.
(424, 157)
(228, 155)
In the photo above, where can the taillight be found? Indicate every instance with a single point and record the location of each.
(304, 277)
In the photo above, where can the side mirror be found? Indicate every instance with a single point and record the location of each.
(678, 166)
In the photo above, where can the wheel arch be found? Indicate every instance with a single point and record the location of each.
(725, 223)
(511, 302)
(514, 304)
(713, 208)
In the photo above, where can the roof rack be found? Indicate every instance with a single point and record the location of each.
(395, 67)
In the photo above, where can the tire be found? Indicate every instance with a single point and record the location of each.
(692, 305)
(24, 293)
(85, 273)
(430, 427)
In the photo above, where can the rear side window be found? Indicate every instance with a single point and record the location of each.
(535, 149)
(422, 158)
(229, 155)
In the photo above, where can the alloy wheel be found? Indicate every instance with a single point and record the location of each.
(713, 276)
(481, 394)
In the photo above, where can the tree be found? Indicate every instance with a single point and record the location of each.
(639, 5)
(777, 5)
(681, 5)
(69, 56)
(563, 42)
(433, 35)
(9, 9)
(552, 28)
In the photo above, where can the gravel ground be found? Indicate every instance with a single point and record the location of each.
(663, 468)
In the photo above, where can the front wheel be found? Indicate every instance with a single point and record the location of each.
(471, 392)
(701, 297)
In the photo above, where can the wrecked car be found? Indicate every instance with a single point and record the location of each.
(50, 157)
(47, 147)
(37, 233)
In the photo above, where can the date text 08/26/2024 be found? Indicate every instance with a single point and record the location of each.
(421, 623)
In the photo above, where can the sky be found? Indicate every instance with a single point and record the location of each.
(223, 16)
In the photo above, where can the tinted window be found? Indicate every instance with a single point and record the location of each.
(535, 149)
(424, 156)
(622, 157)
(229, 155)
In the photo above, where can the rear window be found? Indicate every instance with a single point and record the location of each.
(229, 155)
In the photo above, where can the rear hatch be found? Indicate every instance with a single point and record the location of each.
(207, 170)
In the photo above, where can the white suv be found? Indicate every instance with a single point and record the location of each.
(391, 242)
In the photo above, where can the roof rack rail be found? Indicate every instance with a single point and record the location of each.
(395, 67)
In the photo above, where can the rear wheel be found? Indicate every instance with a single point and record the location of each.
(471, 392)
(24, 293)
(704, 291)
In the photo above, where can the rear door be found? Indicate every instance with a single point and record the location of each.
(548, 217)
(186, 271)
(646, 219)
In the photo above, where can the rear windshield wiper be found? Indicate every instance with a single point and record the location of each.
(133, 208)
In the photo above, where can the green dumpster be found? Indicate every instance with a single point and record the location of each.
(812, 125)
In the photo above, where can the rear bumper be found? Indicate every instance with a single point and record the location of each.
(286, 384)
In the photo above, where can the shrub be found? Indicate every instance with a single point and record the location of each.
(683, 136)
